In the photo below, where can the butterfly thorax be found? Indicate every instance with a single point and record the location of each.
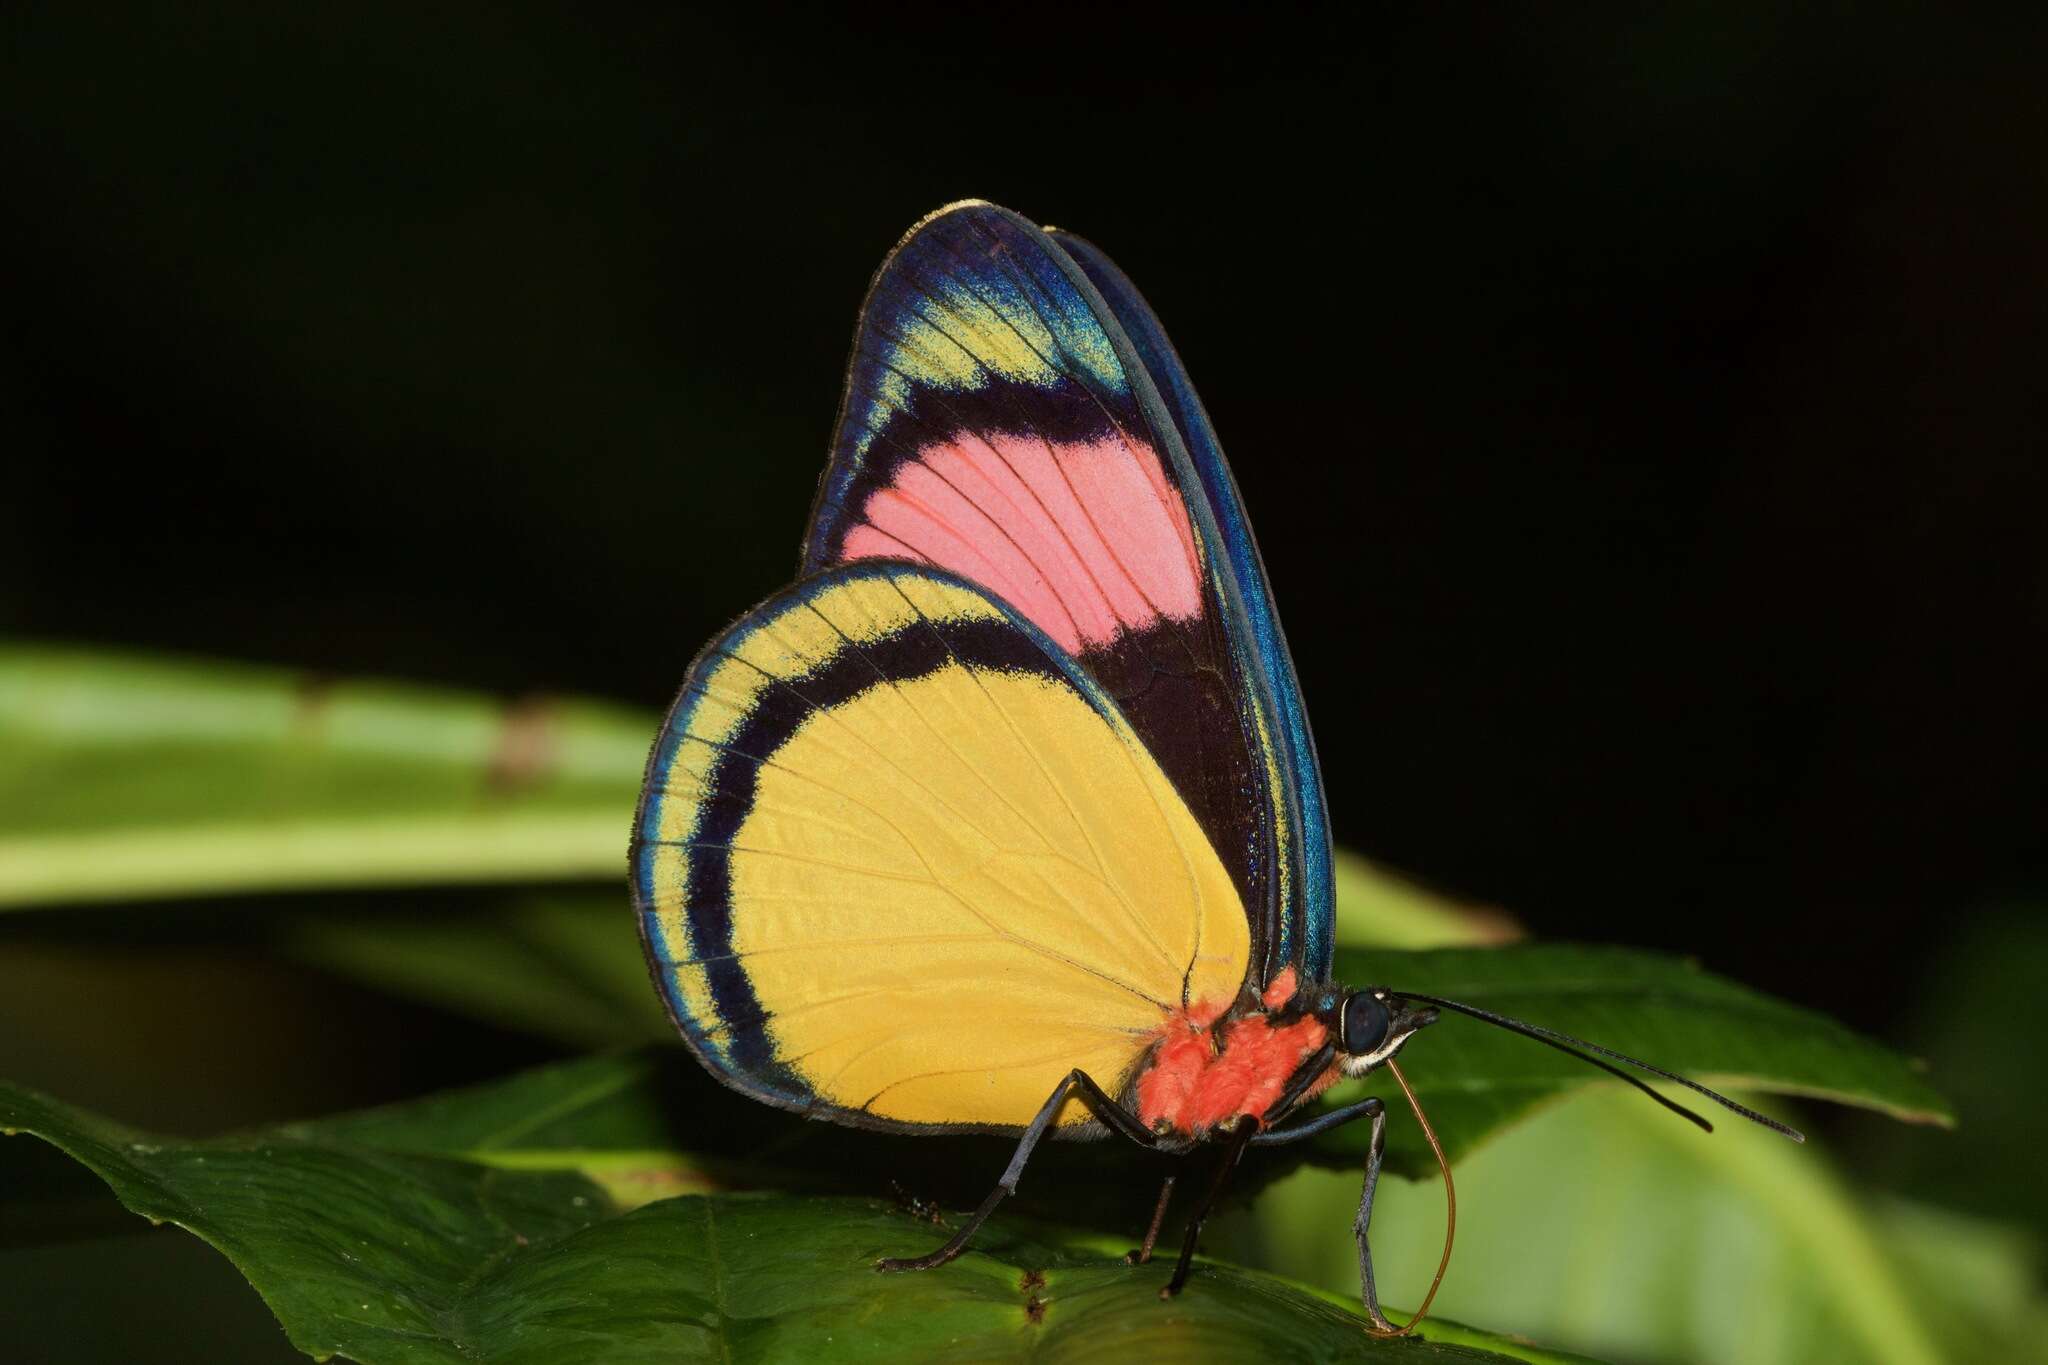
(1213, 1063)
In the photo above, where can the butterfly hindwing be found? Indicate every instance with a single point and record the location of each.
(899, 862)
(999, 424)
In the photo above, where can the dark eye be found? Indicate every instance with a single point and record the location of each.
(1365, 1023)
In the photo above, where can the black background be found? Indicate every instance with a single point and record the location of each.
(1640, 411)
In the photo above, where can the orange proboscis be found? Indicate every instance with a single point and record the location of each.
(1450, 1209)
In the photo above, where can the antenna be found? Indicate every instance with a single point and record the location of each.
(1564, 1042)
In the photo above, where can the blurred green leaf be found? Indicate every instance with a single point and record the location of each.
(475, 1227)
(1474, 1078)
(125, 777)
(1377, 908)
(1980, 1018)
(1609, 1226)
(1977, 1282)
(566, 964)
(132, 1294)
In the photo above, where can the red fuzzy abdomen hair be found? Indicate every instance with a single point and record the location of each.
(1203, 1075)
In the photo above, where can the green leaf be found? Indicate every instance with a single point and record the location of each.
(1609, 1226)
(1474, 1079)
(474, 1227)
(1977, 1282)
(125, 777)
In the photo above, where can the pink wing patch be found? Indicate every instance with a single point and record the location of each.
(1086, 540)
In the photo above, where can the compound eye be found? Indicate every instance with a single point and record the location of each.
(1365, 1023)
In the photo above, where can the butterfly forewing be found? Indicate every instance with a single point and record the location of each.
(999, 424)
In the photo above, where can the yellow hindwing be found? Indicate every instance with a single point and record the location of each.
(899, 857)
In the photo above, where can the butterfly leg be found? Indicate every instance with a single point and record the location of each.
(1366, 1289)
(1377, 1112)
(1322, 1123)
(1240, 1138)
(1078, 1085)
(1144, 1252)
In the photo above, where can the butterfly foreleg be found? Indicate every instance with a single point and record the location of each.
(1076, 1084)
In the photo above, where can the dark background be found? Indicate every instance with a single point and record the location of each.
(1641, 412)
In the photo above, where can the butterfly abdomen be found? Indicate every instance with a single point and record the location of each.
(1209, 1068)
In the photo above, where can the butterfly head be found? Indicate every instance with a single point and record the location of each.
(1370, 1026)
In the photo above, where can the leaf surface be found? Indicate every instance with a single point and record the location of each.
(368, 1242)
(1474, 1079)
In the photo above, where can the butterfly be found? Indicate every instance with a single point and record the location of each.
(1006, 817)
